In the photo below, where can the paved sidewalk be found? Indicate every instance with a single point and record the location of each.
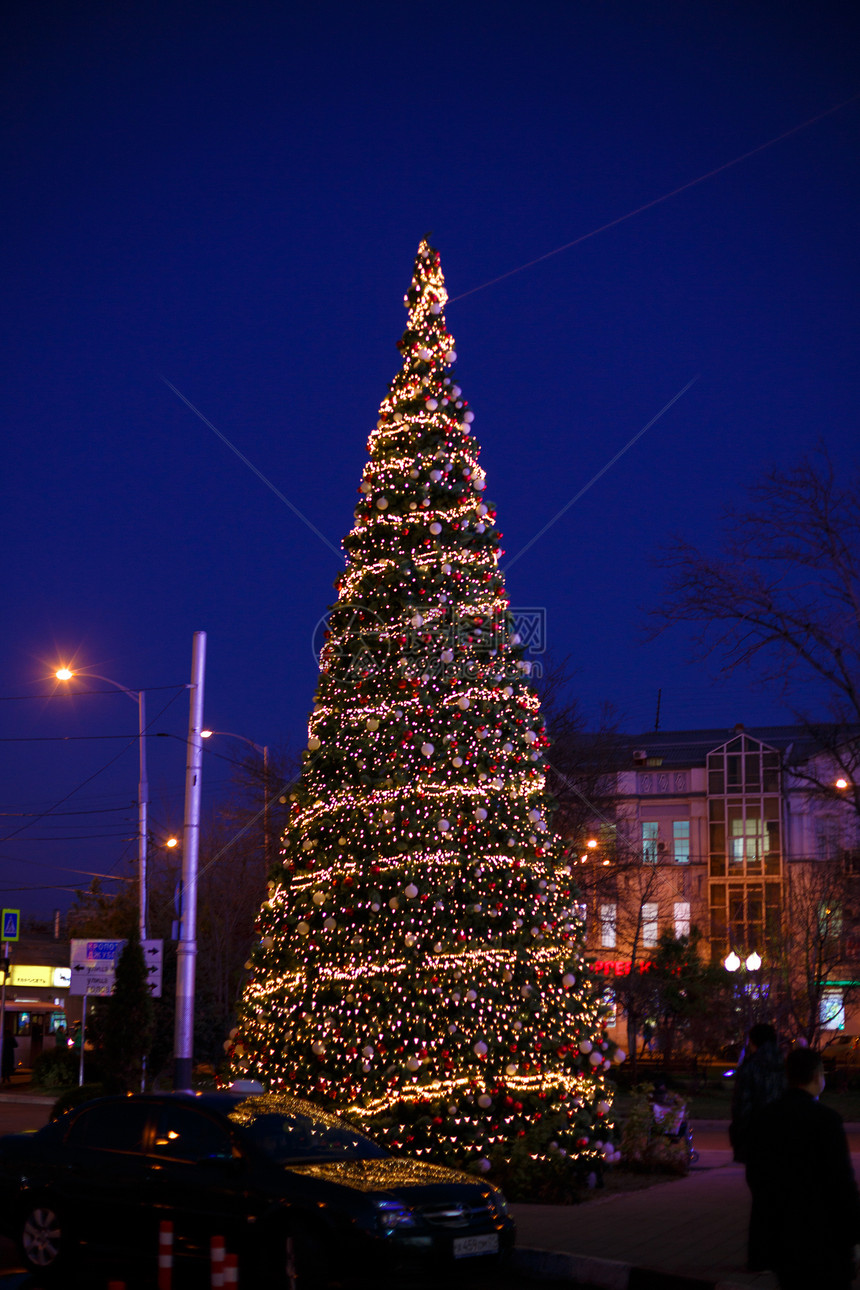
(687, 1234)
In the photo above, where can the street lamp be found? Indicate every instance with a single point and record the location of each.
(263, 750)
(138, 697)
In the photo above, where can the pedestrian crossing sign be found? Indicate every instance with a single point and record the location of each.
(11, 924)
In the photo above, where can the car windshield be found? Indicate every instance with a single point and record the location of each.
(291, 1139)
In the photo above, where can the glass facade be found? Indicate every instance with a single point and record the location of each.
(745, 854)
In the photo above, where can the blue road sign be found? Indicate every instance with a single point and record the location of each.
(11, 924)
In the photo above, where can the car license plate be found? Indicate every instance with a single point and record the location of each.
(466, 1246)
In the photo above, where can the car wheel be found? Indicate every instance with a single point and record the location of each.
(41, 1239)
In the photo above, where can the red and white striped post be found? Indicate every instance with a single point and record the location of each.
(231, 1271)
(165, 1256)
(216, 1257)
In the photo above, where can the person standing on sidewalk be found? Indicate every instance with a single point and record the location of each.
(759, 1081)
(799, 1169)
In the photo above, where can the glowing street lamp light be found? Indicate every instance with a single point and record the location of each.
(732, 962)
(137, 696)
(842, 783)
(263, 750)
(753, 963)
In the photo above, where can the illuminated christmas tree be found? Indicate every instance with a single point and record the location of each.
(420, 957)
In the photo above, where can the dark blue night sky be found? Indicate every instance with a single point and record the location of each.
(230, 196)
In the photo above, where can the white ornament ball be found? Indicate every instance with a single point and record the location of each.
(313, 743)
(394, 903)
(480, 813)
(452, 356)
(480, 1048)
(604, 1108)
(319, 897)
(411, 891)
(585, 1047)
(568, 981)
(267, 942)
(484, 1102)
(409, 940)
(424, 353)
(444, 826)
(446, 569)
(427, 750)
(381, 503)
(413, 1063)
(318, 1047)
(463, 702)
(468, 416)
(303, 928)
(436, 528)
(510, 1069)
(448, 656)
(330, 925)
(457, 761)
(595, 1059)
(417, 620)
(431, 405)
(620, 1056)
(368, 1051)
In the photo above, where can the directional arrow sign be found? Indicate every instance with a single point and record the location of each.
(152, 957)
(93, 965)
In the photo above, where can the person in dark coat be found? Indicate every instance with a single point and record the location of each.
(10, 1043)
(760, 1080)
(799, 1170)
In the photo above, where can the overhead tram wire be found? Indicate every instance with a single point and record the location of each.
(691, 183)
(44, 814)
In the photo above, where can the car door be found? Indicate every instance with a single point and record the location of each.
(199, 1178)
(98, 1177)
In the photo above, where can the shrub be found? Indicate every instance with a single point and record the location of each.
(57, 1068)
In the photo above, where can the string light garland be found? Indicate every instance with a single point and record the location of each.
(420, 961)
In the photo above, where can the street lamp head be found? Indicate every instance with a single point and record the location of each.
(206, 734)
(64, 674)
(842, 782)
(753, 962)
(732, 962)
(591, 843)
(172, 842)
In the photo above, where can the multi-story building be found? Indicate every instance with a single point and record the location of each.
(723, 831)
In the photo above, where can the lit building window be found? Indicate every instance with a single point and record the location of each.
(650, 834)
(649, 924)
(608, 918)
(682, 918)
(681, 841)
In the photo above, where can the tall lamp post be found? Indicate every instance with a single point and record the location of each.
(138, 697)
(263, 750)
(186, 949)
(752, 963)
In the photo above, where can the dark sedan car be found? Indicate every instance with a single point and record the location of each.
(295, 1192)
